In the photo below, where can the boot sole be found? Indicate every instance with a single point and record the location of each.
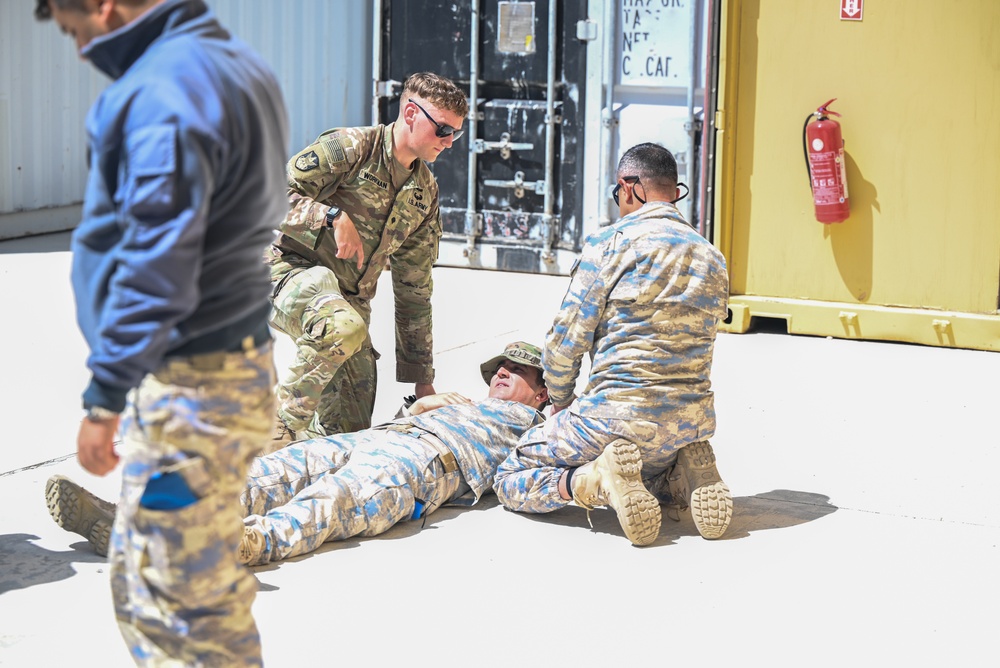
(711, 502)
(253, 546)
(77, 510)
(638, 510)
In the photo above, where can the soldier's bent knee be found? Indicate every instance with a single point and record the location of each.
(338, 327)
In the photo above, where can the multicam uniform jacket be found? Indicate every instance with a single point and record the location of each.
(645, 300)
(396, 213)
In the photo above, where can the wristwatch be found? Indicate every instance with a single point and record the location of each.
(331, 214)
(100, 414)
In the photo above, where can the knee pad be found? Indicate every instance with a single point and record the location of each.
(335, 325)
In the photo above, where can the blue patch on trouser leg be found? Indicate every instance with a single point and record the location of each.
(418, 509)
(167, 491)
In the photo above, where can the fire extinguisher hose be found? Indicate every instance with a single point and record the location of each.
(805, 149)
(820, 115)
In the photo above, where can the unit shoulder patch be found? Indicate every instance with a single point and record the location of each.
(307, 162)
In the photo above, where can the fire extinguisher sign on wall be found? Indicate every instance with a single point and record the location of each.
(824, 152)
(852, 10)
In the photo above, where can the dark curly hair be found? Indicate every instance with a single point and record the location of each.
(43, 10)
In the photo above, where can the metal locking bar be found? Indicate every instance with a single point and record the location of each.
(505, 146)
(518, 184)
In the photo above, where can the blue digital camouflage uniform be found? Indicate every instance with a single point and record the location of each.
(644, 301)
(185, 147)
(180, 595)
(365, 482)
(324, 302)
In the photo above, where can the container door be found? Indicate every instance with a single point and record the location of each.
(662, 55)
(511, 195)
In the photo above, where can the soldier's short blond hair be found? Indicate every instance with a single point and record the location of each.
(439, 91)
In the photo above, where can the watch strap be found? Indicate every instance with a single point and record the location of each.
(332, 213)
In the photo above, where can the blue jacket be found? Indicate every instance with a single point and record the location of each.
(187, 181)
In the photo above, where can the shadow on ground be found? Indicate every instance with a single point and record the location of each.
(403, 529)
(26, 564)
(777, 509)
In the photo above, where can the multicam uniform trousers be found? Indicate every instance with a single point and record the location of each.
(330, 386)
(190, 431)
(358, 484)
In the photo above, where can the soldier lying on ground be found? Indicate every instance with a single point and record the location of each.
(362, 483)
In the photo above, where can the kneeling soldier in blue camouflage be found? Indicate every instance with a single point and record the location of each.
(644, 302)
(446, 450)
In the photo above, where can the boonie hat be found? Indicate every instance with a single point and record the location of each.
(520, 352)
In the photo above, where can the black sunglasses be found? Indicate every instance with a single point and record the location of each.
(635, 181)
(442, 130)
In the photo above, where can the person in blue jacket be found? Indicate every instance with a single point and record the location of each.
(187, 149)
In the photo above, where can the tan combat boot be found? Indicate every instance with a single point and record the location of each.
(613, 480)
(77, 510)
(253, 546)
(695, 482)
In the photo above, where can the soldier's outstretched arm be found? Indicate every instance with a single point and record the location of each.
(432, 401)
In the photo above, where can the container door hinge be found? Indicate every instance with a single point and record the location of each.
(586, 30)
(388, 88)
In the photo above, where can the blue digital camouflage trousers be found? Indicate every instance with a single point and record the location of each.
(358, 484)
(190, 431)
(528, 480)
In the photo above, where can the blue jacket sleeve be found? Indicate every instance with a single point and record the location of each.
(164, 185)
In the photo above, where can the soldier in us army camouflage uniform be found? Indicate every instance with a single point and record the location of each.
(360, 197)
(644, 302)
(446, 449)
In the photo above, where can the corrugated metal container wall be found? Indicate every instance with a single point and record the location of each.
(320, 50)
(45, 91)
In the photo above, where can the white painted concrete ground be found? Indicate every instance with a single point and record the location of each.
(865, 530)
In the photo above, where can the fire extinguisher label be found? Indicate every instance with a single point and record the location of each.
(827, 170)
(843, 175)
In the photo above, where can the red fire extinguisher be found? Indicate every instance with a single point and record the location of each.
(823, 146)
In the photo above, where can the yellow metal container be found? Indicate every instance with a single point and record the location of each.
(918, 87)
